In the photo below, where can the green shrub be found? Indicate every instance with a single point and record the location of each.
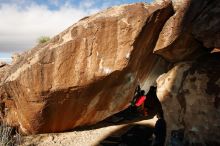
(43, 39)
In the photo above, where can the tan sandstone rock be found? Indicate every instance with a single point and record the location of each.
(86, 73)
(3, 70)
(206, 27)
(190, 95)
(215, 50)
(2, 64)
(190, 31)
(15, 57)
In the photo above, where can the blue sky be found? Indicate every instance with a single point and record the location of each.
(24, 21)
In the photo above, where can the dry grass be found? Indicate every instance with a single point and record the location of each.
(9, 136)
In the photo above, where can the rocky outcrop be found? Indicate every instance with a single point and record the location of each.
(86, 73)
(190, 95)
(89, 71)
(190, 90)
(2, 64)
(206, 25)
(190, 31)
(7, 107)
(215, 50)
(15, 57)
(3, 69)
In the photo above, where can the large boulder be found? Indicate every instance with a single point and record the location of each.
(215, 50)
(3, 69)
(86, 73)
(192, 31)
(2, 64)
(190, 95)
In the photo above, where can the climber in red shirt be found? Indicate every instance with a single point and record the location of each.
(138, 100)
(147, 105)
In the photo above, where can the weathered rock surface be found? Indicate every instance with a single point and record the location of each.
(2, 64)
(190, 31)
(206, 26)
(215, 50)
(190, 95)
(89, 71)
(15, 57)
(86, 73)
(6, 101)
(3, 69)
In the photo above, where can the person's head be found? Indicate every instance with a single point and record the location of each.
(153, 88)
(142, 92)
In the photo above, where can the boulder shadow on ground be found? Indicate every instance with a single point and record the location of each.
(130, 135)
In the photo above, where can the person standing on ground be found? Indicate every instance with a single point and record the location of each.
(160, 130)
(152, 104)
(154, 107)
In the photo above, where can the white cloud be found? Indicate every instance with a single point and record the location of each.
(20, 29)
(23, 21)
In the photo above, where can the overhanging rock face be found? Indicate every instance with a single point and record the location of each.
(192, 31)
(86, 73)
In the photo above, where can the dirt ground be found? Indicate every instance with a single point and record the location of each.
(104, 133)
